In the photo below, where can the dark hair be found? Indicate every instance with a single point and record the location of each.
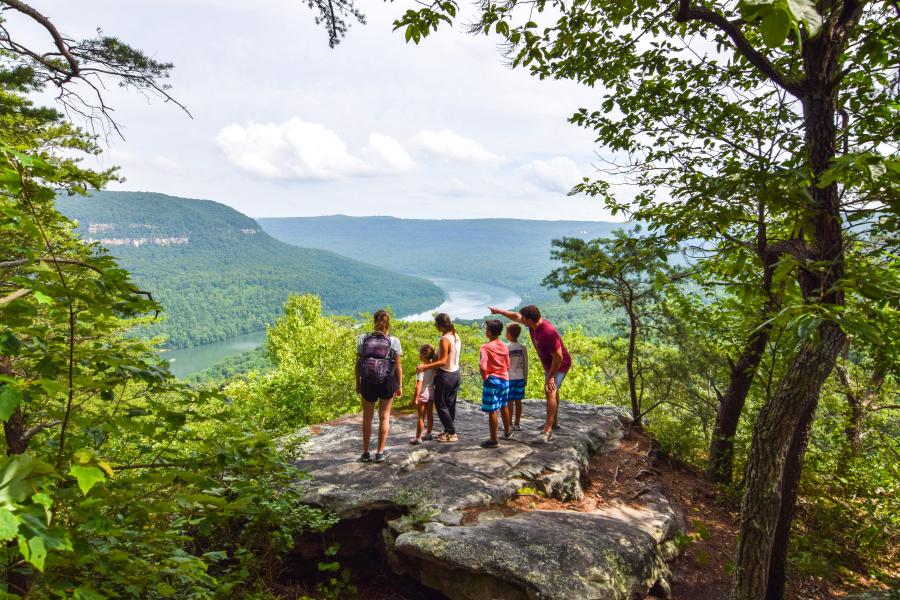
(494, 327)
(444, 323)
(382, 319)
(530, 312)
(514, 330)
(428, 350)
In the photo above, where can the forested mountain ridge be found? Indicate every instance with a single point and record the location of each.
(218, 274)
(514, 253)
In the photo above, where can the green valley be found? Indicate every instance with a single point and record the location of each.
(219, 275)
(513, 253)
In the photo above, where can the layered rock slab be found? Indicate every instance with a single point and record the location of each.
(614, 553)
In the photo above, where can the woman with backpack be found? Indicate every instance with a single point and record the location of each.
(446, 380)
(379, 378)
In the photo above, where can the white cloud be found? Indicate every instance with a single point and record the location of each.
(297, 149)
(448, 145)
(387, 153)
(559, 174)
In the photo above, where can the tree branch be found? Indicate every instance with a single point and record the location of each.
(686, 13)
(14, 296)
(58, 41)
(30, 433)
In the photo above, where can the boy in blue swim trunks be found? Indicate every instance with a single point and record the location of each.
(518, 373)
(494, 367)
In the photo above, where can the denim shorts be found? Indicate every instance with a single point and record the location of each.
(558, 378)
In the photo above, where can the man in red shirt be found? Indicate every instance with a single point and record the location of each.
(554, 357)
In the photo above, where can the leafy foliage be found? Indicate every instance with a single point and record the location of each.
(117, 480)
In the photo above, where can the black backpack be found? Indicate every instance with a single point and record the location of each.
(377, 359)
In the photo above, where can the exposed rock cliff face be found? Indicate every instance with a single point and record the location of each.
(412, 508)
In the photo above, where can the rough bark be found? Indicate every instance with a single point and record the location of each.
(790, 486)
(773, 432)
(14, 427)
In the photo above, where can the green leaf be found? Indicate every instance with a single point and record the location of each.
(14, 487)
(43, 298)
(775, 26)
(10, 398)
(87, 477)
(9, 525)
(44, 500)
(38, 553)
(164, 589)
(805, 12)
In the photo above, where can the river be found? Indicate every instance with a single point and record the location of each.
(462, 300)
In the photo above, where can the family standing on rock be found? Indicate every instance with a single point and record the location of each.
(503, 368)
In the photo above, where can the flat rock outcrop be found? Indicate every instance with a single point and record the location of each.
(426, 497)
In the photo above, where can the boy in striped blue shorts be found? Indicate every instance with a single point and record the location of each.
(518, 373)
(494, 367)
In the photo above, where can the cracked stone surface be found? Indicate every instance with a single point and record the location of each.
(615, 553)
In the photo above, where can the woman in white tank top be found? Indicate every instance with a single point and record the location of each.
(446, 380)
(454, 344)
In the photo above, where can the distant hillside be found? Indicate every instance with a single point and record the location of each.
(218, 274)
(509, 252)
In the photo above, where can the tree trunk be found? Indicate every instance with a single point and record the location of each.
(731, 405)
(773, 432)
(790, 485)
(14, 427)
(629, 368)
(798, 390)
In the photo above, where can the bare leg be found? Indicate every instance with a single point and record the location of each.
(429, 411)
(492, 424)
(552, 407)
(384, 422)
(556, 412)
(368, 411)
(420, 423)
(504, 413)
(518, 411)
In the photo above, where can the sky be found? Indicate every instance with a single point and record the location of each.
(282, 125)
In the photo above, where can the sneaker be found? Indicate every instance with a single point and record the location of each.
(427, 437)
(366, 457)
(544, 437)
(517, 428)
(379, 456)
(489, 444)
(415, 441)
(447, 437)
(508, 435)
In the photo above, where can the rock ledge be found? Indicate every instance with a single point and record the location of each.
(420, 493)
